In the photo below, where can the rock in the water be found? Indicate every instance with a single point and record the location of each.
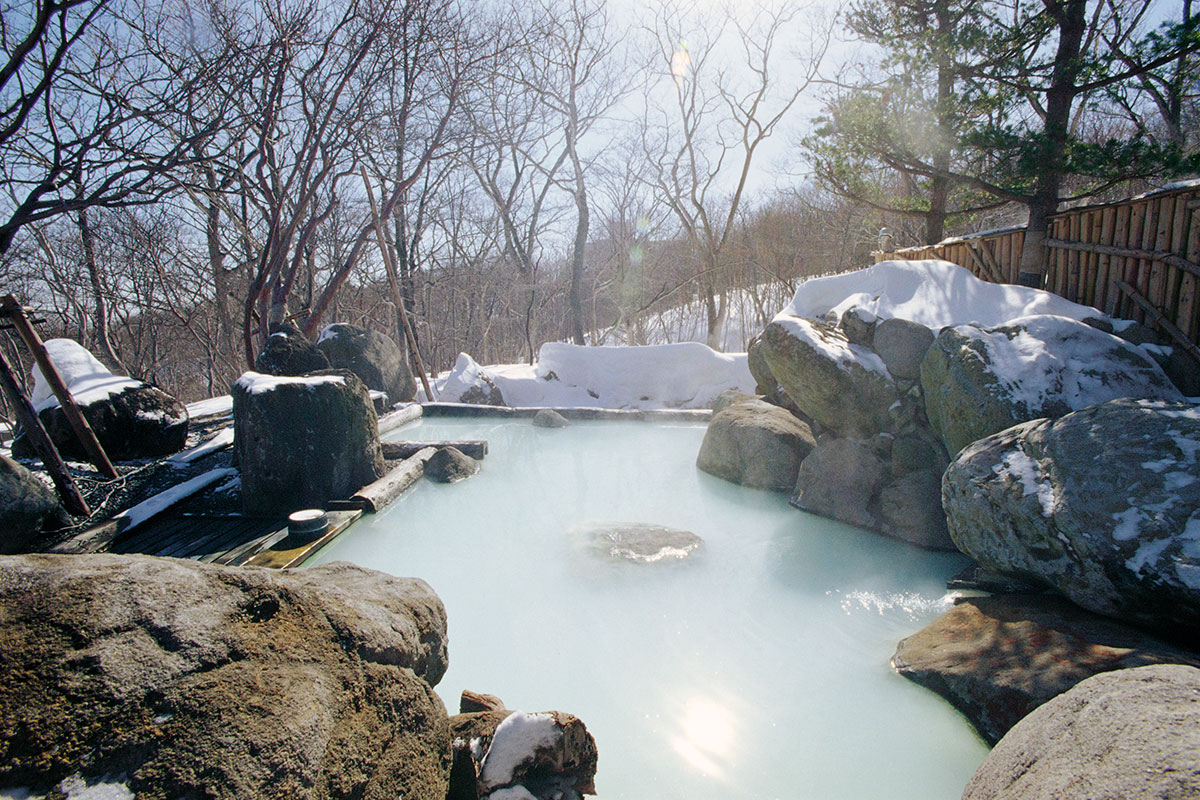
(998, 658)
(193, 680)
(288, 351)
(755, 444)
(641, 542)
(1133, 734)
(839, 479)
(131, 419)
(549, 418)
(27, 508)
(302, 441)
(910, 508)
(450, 465)
(979, 381)
(511, 754)
(1102, 505)
(374, 358)
(902, 345)
(843, 386)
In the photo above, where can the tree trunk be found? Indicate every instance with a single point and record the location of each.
(100, 324)
(1071, 20)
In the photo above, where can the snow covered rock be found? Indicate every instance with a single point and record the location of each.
(843, 386)
(193, 680)
(998, 658)
(1102, 505)
(288, 351)
(978, 381)
(1131, 734)
(301, 441)
(27, 508)
(932, 293)
(374, 358)
(505, 755)
(131, 419)
(470, 383)
(755, 444)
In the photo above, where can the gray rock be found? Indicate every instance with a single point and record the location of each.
(1133, 734)
(979, 381)
(1102, 505)
(28, 507)
(998, 658)
(764, 379)
(641, 542)
(549, 418)
(139, 421)
(731, 397)
(550, 755)
(193, 680)
(450, 465)
(842, 386)
(839, 479)
(755, 444)
(902, 345)
(910, 508)
(374, 358)
(288, 351)
(859, 326)
(302, 441)
(920, 450)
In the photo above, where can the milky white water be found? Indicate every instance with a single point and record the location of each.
(757, 668)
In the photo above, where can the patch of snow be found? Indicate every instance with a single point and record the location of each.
(515, 741)
(512, 793)
(211, 407)
(1160, 350)
(1147, 554)
(257, 382)
(683, 375)
(1059, 358)
(1190, 183)
(330, 331)
(934, 293)
(1025, 471)
(163, 500)
(86, 378)
(838, 350)
(1128, 523)
(76, 788)
(220, 441)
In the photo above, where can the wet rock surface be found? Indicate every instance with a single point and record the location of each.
(450, 465)
(549, 418)
(28, 507)
(998, 658)
(181, 679)
(640, 542)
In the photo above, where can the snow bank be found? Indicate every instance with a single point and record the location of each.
(933, 293)
(684, 375)
(87, 379)
(515, 742)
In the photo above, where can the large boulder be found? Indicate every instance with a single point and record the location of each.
(755, 444)
(902, 345)
(173, 679)
(841, 479)
(287, 351)
(1132, 734)
(28, 507)
(131, 419)
(374, 358)
(1103, 505)
(979, 381)
(910, 508)
(998, 658)
(302, 441)
(500, 753)
(470, 383)
(843, 386)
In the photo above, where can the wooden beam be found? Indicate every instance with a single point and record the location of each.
(83, 431)
(67, 490)
(1170, 259)
(1161, 320)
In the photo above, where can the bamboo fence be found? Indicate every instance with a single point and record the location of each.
(1134, 259)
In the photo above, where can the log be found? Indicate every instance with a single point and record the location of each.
(475, 448)
(1161, 320)
(375, 496)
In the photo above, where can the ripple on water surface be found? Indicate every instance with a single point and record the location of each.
(757, 667)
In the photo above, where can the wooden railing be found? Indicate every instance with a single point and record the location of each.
(1135, 259)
